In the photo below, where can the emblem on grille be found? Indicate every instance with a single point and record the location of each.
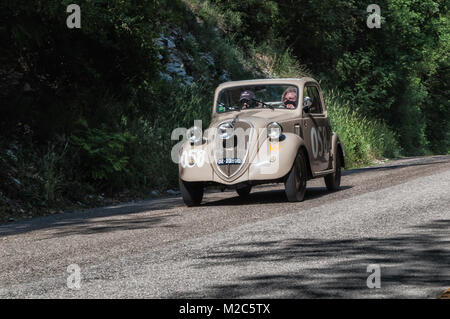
(231, 147)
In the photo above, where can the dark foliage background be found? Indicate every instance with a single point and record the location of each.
(87, 113)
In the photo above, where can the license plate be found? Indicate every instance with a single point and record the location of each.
(229, 161)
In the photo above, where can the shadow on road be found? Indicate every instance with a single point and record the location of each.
(117, 218)
(84, 222)
(420, 258)
(270, 197)
(88, 227)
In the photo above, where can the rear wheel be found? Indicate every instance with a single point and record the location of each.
(295, 184)
(244, 191)
(333, 181)
(192, 192)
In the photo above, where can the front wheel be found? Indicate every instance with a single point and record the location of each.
(333, 181)
(295, 184)
(192, 192)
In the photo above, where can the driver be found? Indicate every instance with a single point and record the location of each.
(289, 98)
(247, 100)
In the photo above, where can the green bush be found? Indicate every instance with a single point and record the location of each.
(51, 175)
(150, 164)
(33, 179)
(102, 153)
(364, 140)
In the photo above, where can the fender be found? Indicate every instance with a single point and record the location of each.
(275, 160)
(194, 163)
(336, 144)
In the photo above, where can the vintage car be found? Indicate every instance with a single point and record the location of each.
(260, 133)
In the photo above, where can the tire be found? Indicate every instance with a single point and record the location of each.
(244, 191)
(295, 184)
(333, 181)
(192, 193)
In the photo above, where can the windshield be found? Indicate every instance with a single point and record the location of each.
(257, 96)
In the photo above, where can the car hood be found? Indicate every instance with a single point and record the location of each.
(258, 118)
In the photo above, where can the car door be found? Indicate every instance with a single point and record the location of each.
(316, 131)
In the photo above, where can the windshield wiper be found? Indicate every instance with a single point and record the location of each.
(265, 104)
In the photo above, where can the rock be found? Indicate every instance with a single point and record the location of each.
(165, 76)
(163, 41)
(155, 193)
(172, 192)
(171, 44)
(177, 68)
(11, 154)
(175, 58)
(189, 58)
(225, 77)
(160, 41)
(208, 59)
(189, 80)
(175, 32)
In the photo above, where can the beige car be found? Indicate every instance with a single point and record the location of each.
(260, 133)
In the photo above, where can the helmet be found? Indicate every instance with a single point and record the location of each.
(248, 96)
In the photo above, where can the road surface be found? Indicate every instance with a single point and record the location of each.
(394, 216)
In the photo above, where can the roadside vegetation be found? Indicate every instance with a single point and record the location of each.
(87, 114)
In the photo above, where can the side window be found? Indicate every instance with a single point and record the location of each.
(313, 93)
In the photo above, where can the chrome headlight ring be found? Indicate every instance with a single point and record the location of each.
(194, 134)
(225, 130)
(274, 131)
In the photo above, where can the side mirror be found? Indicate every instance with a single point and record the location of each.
(307, 103)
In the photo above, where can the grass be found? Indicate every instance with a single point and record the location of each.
(365, 140)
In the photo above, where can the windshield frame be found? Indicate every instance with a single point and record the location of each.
(249, 87)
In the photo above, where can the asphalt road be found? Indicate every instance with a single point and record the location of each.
(395, 215)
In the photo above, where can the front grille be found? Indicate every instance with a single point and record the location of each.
(234, 150)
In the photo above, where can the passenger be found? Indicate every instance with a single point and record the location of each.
(289, 98)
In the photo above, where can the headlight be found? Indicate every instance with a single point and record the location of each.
(274, 131)
(194, 134)
(225, 130)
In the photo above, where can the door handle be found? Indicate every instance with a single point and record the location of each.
(297, 129)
